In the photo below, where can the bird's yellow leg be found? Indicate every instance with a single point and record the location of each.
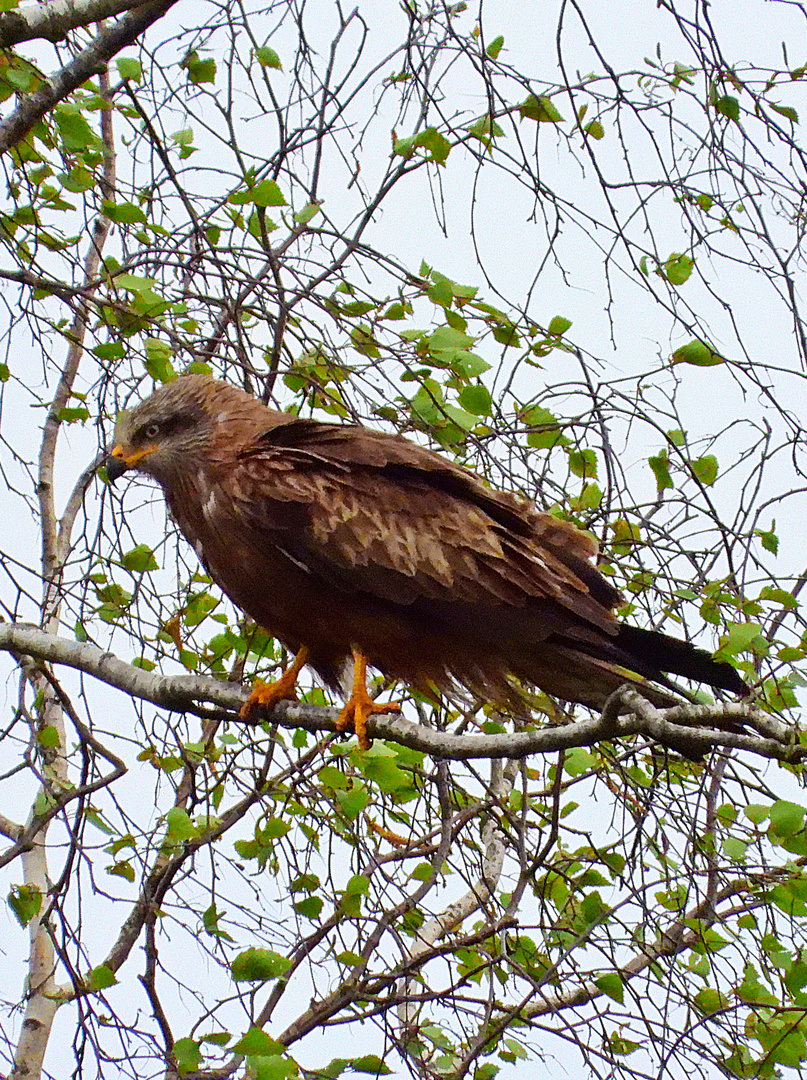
(265, 695)
(360, 705)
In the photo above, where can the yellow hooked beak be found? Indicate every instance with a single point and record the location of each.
(119, 460)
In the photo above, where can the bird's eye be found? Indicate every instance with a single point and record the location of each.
(152, 431)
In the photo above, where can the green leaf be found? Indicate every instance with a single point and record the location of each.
(139, 560)
(72, 414)
(273, 1067)
(306, 214)
(698, 354)
(485, 129)
(356, 887)
(353, 801)
(536, 416)
(728, 106)
(422, 872)
(258, 965)
(464, 420)
(370, 1063)
(210, 921)
(612, 985)
(583, 463)
(274, 828)
(787, 818)
(364, 341)
(267, 193)
(379, 765)
(199, 71)
(445, 339)
(495, 47)
(779, 596)
(78, 179)
(110, 350)
(437, 145)
(558, 326)
(678, 268)
(594, 129)
(735, 849)
(660, 464)
(348, 958)
(184, 140)
(134, 283)
(616, 1044)
(188, 1056)
(441, 293)
(540, 109)
(125, 213)
(309, 908)
(740, 638)
(218, 1038)
(26, 902)
(752, 991)
(477, 400)
(469, 364)
(100, 978)
(506, 334)
(267, 57)
(579, 761)
(770, 541)
(333, 778)
(75, 132)
(787, 111)
(179, 826)
(708, 1000)
(130, 68)
(122, 869)
(159, 366)
(705, 469)
(48, 737)
(404, 148)
(256, 1041)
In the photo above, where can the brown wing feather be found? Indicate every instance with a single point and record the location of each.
(393, 519)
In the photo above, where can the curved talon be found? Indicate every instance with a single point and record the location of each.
(265, 695)
(359, 706)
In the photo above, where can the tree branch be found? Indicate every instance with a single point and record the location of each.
(82, 67)
(196, 693)
(55, 19)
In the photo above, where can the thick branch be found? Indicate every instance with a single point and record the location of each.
(196, 693)
(494, 845)
(81, 68)
(55, 19)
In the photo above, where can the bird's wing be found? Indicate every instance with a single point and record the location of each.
(379, 514)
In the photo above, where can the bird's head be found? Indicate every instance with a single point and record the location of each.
(167, 433)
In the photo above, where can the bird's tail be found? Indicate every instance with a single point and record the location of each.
(652, 654)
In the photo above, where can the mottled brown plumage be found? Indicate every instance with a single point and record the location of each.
(340, 538)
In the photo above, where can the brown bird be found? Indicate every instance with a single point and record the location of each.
(340, 540)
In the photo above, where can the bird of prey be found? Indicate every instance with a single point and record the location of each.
(344, 541)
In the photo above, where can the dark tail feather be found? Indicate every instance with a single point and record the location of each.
(653, 653)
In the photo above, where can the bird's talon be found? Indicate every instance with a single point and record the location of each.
(265, 695)
(358, 708)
